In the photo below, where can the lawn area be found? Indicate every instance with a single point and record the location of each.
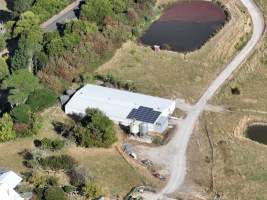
(110, 170)
(239, 165)
(170, 74)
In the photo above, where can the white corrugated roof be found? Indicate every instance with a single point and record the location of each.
(10, 179)
(7, 193)
(115, 103)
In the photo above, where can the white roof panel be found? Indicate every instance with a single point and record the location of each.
(7, 193)
(116, 104)
(10, 179)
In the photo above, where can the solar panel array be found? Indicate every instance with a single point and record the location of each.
(144, 114)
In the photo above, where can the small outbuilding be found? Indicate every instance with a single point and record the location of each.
(123, 107)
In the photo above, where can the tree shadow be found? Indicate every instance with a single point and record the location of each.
(5, 16)
(10, 4)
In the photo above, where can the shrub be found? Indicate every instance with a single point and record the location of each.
(6, 128)
(55, 193)
(40, 99)
(64, 162)
(69, 188)
(21, 113)
(53, 145)
(78, 177)
(91, 190)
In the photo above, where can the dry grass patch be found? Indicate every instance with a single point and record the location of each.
(239, 165)
(3, 5)
(109, 169)
(171, 74)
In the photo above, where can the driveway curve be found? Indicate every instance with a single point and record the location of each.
(178, 146)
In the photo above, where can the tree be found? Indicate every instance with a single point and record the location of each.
(55, 193)
(4, 72)
(95, 130)
(20, 6)
(96, 11)
(20, 60)
(6, 128)
(30, 38)
(21, 83)
(40, 99)
(26, 23)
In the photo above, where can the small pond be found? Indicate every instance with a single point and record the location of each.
(258, 133)
(185, 26)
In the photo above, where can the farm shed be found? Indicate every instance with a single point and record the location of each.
(122, 107)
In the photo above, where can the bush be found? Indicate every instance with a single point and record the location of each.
(55, 193)
(78, 177)
(21, 113)
(51, 144)
(91, 190)
(40, 99)
(95, 130)
(6, 128)
(69, 188)
(64, 162)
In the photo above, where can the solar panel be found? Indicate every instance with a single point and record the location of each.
(144, 114)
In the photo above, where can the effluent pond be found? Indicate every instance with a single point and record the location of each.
(185, 26)
(258, 133)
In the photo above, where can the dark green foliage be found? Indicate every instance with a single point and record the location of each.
(50, 144)
(96, 11)
(21, 83)
(96, 130)
(80, 27)
(47, 8)
(2, 43)
(55, 193)
(29, 128)
(20, 6)
(71, 40)
(21, 113)
(69, 188)
(4, 72)
(40, 99)
(20, 59)
(30, 38)
(63, 162)
(40, 59)
(55, 46)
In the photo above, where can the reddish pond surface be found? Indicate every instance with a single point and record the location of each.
(197, 11)
(185, 26)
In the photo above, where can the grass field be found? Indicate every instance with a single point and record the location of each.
(110, 170)
(239, 165)
(173, 75)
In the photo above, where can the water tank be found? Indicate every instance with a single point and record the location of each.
(143, 129)
(134, 128)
